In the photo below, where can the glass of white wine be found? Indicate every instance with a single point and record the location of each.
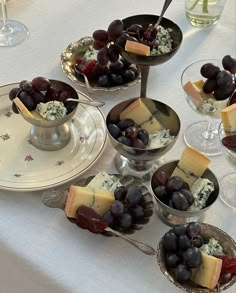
(12, 32)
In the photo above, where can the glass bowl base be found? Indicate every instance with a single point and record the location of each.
(13, 33)
(228, 190)
(196, 136)
(142, 170)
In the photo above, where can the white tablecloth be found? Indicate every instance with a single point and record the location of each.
(40, 250)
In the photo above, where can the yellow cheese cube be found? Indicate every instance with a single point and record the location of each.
(137, 48)
(228, 116)
(191, 165)
(141, 115)
(208, 273)
(99, 200)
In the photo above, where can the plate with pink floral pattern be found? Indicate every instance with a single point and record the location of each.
(25, 168)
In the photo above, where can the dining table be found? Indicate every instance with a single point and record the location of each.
(40, 249)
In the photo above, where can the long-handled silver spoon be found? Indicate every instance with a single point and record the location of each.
(90, 103)
(165, 6)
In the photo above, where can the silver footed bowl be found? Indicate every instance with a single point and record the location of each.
(137, 162)
(207, 231)
(51, 135)
(171, 216)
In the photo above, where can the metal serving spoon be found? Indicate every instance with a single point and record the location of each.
(90, 103)
(165, 6)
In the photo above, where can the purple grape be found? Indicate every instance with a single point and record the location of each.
(137, 212)
(52, 94)
(183, 273)
(103, 80)
(27, 100)
(209, 70)
(97, 45)
(100, 35)
(124, 140)
(159, 178)
(179, 230)
(113, 54)
(170, 241)
(209, 86)
(224, 79)
(41, 83)
(223, 93)
(102, 56)
(143, 135)
(193, 229)
(27, 87)
(184, 242)
(179, 201)
(138, 144)
(131, 132)
(136, 30)
(14, 108)
(115, 29)
(117, 67)
(197, 241)
(114, 130)
(38, 97)
(162, 193)
(109, 218)
(120, 193)
(22, 83)
(116, 79)
(129, 75)
(117, 208)
(188, 195)
(133, 196)
(99, 70)
(13, 93)
(174, 183)
(126, 220)
(172, 260)
(193, 257)
(229, 63)
(123, 124)
(121, 40)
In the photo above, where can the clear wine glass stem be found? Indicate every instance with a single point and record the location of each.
(144, 78)
(4, 15)
(211, 130)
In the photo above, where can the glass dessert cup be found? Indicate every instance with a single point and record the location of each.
(203, 135)
(12, 32)
(171, 216)
(52, 135)
(141, 163)
(228, 182)
(144, 62)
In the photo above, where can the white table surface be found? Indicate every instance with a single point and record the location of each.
(40, 250)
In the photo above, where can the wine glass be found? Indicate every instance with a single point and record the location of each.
(203, 135)
(144, 62)
(228, 182)
(12, 32)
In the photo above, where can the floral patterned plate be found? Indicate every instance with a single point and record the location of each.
(25, 168)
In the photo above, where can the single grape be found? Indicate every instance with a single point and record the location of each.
(170, 241)
(223, 93)
(172, 260)
(150, 33)
(109, 218)
(14, 108)
(143, 135)
(52, 94)
(136, 30)
(97, 45)
(102, 56)
(197, 241)
(138, 144)
(27, 100)
(125, 62)
(179, 201)
(22, 83)
(131, 132)
(193, 229)
(183, 273)
(125, 140)
(114, 130)
(41, 83)
(209, 86)
(137, 212)
(113, 54)
(117, 208)
(115, 29)
(117, 67)
(129, 75)
(116, 79)
(99, 70)
(159, 178)
(63, 95)
(103, 80)
(171, 204)
(27, 86)
(184, 242)
(134, 196)
(37, 97)
(123, 124)
(121, 40)
(174, 183)
(162, 193)
(134, 70)
(100, 35)
(126, 220)
(229, 63)
(193, 257)
(13, 93)
(188, 195)
(209, 70)
(120, 192)
(179, 230)
(224, 79)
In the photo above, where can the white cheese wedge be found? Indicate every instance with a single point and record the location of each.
(22, 108)
(208, 273)
(99, 200)
(228, 116)
(104, 181)
(191, 165)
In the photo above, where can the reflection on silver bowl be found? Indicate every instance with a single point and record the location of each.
(141, 162)
(207, 231)
(172, 216)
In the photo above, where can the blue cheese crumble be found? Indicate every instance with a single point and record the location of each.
(212, 247)
(104, 181)
(201, 190)
(160, 139)
(52, 110)
(164, 41)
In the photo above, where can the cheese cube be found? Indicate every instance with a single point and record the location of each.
(191, 165)
(228, 116)
(22, 107)
(99, 200)
(208, 273)
(141, 115)
(104, 181)
(137, 48)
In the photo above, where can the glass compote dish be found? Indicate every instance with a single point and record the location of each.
(228, 182)
(203, 135)
(144, 62)
(12, 32)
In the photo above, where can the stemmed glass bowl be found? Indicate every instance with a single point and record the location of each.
(203, 135)
(144, 62)
(228, 182)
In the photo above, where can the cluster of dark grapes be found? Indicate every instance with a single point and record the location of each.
(39, 90)
(181, 246)
(109, 69)
(127, 208)
(172, 191)
(220, 82)
(129, 133)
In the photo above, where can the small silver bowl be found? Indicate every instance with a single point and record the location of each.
(52, 135)
(172, 216)
(141, 163)
(207, 231)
